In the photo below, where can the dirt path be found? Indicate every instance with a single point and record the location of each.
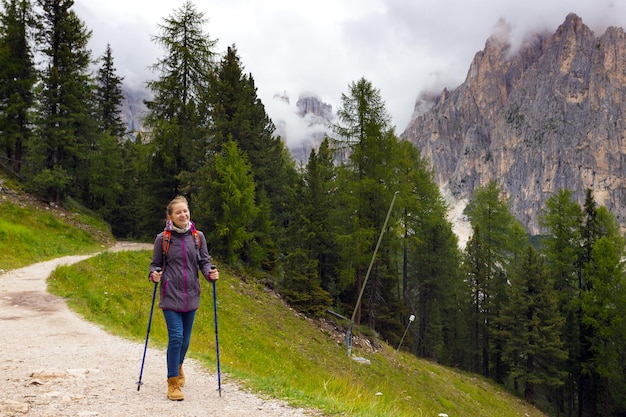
(53, 363)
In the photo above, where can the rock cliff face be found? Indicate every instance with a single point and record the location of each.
(545, 117)
(312, 105)
(306, 125)
(133, 109)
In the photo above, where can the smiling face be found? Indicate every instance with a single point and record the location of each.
(179, 214)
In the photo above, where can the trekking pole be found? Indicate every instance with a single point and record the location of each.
(217, 343)
(145, 348)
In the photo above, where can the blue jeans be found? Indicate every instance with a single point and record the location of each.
(179, 327)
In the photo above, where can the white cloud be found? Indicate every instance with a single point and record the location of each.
(401, 46)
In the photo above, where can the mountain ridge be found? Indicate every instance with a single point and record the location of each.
(538, 119)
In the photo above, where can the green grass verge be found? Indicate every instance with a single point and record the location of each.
(275, 352)
(29, 234)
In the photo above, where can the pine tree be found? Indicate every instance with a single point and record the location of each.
(66, 126)
(105, 189)
(134, 213)
(602, 311)
(301, 284)
(477, 271)
(318, 203)
(530, 328)
(308, 279)
(109, 97)
(226, 205)
(491, 260)
(17, 78)
(238, 113)
(602, 295)
(103, 164)
(588, 381)
(589, 231)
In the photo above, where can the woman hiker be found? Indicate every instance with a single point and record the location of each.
(180, 251)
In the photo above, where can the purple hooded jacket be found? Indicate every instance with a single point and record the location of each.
(180, 285)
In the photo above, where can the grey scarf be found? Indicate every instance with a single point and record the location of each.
(178, 229)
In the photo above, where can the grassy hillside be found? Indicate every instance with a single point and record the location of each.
(263, 343)
(32, 231)
(277, 352)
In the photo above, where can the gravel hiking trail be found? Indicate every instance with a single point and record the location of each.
(54, 363)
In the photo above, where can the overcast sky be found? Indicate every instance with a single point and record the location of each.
(402, 46)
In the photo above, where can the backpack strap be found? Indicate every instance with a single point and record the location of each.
(196, 240)
(165, 245)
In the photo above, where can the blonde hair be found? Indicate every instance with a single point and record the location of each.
(176, 200)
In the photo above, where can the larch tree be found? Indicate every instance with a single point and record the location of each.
(178, 118)
(431, 278)
(561, 219)
(366, 181)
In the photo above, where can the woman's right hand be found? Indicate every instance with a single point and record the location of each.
(214, 274)
(156, 276)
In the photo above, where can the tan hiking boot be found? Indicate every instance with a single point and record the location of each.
(173, 389)
(181, 376)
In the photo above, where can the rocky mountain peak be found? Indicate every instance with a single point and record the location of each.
(546, 116)
(313, 105)
(303, 126)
